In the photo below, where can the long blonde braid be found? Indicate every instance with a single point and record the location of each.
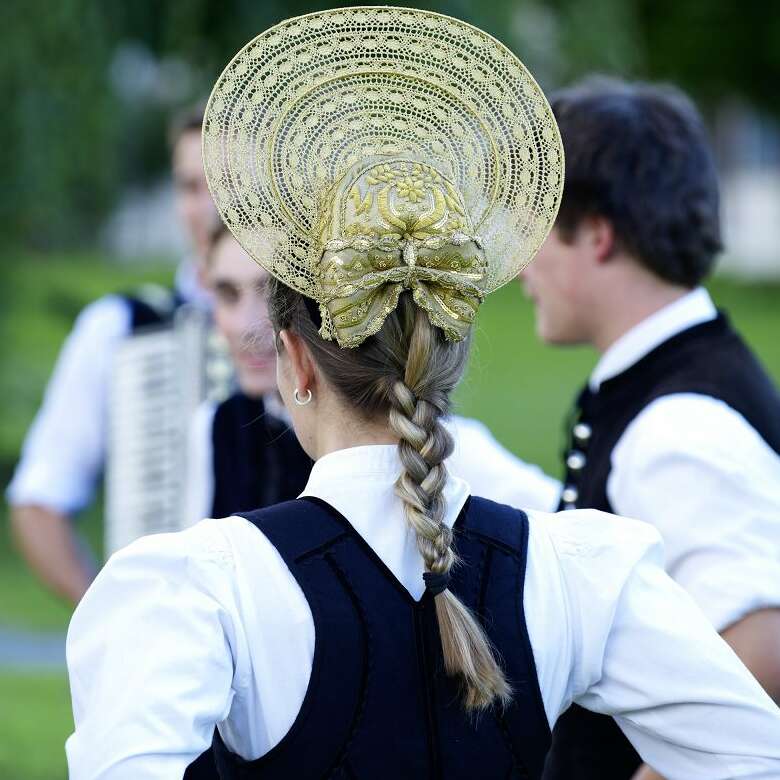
(424, 443)
(408, 371)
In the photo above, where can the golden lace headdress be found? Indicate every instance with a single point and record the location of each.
(360, 152)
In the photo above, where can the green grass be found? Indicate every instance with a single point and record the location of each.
(519, 387)
(35, 720)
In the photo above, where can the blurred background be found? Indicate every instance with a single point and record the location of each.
(86, 208)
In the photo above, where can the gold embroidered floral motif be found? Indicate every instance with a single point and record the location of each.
(405, 242)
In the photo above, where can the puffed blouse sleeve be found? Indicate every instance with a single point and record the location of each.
(616, 635)
(154, 652)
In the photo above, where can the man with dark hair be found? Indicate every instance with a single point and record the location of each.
(65, 449)
(678, 425)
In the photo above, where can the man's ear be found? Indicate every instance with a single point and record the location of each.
(301, 361)
(599, 236)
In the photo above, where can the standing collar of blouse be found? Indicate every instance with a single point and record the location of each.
(359, 483)
(340, 476)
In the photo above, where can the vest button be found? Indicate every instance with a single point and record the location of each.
(576, 460)
(582, 433)
(570, 495)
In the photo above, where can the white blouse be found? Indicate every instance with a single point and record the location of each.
(180, 632)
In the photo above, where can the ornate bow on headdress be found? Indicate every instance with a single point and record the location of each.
(361, 152)
(397, 225)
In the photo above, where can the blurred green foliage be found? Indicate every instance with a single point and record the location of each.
(39, 300)
(73, 135)
(59, 131)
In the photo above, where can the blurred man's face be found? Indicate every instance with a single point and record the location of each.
(239, 285)
(555, 282)
(193, 200)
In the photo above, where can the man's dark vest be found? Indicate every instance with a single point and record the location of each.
(157, 307)
(257, 458)
(708, 359)
(378, 704)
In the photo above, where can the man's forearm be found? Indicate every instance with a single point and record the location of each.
(46, 540)
(645, 773)
(756, 640)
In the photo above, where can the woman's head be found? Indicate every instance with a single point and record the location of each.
(363, 381)
(399, 381)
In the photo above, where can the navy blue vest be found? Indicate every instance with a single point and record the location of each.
(257, 458)
(257, 461)
(707, 359)
(378, 703)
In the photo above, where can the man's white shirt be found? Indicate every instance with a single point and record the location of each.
(694, 468)
(64, 451)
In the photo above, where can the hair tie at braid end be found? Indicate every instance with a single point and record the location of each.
(436, 583)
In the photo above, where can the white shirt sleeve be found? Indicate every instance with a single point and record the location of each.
(633, 645)
(199, 485)
(150, 680)
(692, 467)
(190, 647)
(495, 473)
(64, 450)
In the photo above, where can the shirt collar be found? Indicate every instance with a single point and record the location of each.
(692, 309)
(359, 482)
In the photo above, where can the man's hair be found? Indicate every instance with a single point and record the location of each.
(188, 120)
(637, 155)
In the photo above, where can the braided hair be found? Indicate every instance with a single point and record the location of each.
(408, 371)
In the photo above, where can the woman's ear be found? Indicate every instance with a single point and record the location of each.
(301, 361)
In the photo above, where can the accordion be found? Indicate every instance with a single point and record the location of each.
(162, 373)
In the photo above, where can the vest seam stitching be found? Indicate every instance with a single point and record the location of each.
(424, 665)
(359, 711)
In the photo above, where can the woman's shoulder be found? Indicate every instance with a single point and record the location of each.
(211, 543)
(593, 554)
(592, 534)
(592, 559)
(581, 565)
(578, 538)
(226, 562)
